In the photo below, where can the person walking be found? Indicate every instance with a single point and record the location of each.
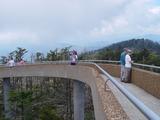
(128, 65)
(122, 62)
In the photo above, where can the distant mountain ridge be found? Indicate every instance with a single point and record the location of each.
(135, 45)
(154, 37)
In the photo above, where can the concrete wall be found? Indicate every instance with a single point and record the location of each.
(147, 80)
(82, 73)
(112, 69)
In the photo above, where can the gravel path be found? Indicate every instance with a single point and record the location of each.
(112, 108)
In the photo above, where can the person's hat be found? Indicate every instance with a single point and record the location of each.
(129, 51)
(125, 49)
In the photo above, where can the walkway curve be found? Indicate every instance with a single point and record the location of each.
(87, 73)
(82, 73)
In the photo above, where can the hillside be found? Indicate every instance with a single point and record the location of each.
(144, 51)
(135, 45)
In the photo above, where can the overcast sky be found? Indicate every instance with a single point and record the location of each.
(41, 25)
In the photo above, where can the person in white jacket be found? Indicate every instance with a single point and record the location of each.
(128, 65)
(11, 63)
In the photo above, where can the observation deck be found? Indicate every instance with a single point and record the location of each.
(112, 99)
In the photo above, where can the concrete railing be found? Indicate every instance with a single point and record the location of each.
(140, 105)
(84, 73)
(143, 108)
(149, 66)
(62, 69)
(137, 65)
(145, 79)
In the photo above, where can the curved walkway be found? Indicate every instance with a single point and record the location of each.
(109, 102)
(150, 101)
(105, 105)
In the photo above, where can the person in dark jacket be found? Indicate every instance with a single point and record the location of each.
(122, 62)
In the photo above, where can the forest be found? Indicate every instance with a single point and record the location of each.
(144, 51)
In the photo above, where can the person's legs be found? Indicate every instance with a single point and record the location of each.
(122, 72)
(73, 63)
(127, 74)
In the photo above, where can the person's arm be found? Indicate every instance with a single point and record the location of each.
(76, 57)
(129, 59)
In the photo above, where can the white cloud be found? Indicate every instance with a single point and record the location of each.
(110, 27)
(50, 23)
(106, 29)
(153, 29)
(134, 19)
(155, 10)
(18, 37)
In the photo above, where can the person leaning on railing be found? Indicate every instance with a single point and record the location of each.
(122, 62)
(73, 57)
(11, 63)
(128, 65)
(21, 62)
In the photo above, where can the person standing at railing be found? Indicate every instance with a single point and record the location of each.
(128, 65)
(73, 57)
(122, 62)
(11, 63)
(21, 62)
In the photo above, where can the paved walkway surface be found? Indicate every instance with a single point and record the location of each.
(152, 102)
(133, 113)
